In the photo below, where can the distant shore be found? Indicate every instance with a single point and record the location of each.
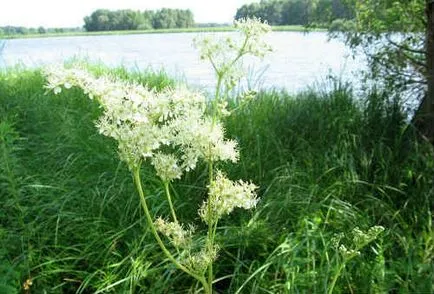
(289, 28)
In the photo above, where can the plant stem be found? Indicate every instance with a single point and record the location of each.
(335, 278)
(138, 183)
(169, 199)
(217, 90)
(210, 227)
(210, 237)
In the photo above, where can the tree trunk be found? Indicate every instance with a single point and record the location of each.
(424, 117)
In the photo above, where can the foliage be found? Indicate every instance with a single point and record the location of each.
(296, 12)
(107, 20)
(398, 39)
(391, 35)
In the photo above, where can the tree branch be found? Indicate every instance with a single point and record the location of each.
(402, 47)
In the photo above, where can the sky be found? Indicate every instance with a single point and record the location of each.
(70, 13)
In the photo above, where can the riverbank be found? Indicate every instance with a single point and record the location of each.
(294, 28)
(325, 163)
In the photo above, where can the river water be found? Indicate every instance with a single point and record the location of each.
(299, 60)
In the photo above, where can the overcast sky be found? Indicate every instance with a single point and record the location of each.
(70, 13)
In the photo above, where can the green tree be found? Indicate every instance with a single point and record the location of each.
(248, 11)
(99, 20)
(184, 19)
(295, 12)
(164, 19)
(105, 20)
(145, 20)
(42, 30)
(272, 11)
(398, 38)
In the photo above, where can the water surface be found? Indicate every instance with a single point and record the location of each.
(299, 60)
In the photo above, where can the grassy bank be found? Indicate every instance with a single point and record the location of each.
(325, 163)
(289, 28)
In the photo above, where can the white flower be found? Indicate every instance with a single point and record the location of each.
(143, 121)
(224, 195)
(252, 26)
(224, 53)
(201, 138)
(360, 238)
(166, 166)
(199, 262)
(348, 253)
(57, 90)
(179, 236)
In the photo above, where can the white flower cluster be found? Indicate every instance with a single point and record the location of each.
(199, 262)
(179, 236)
(336, 240)
(225, 53)
(224, 195)
(254, 29)
(361, 238)
(145, 122)
(166, 166)
(348, 253)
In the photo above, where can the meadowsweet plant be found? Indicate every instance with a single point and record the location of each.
(172, 130)
(359, 240)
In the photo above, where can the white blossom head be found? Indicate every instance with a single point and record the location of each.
(252, 26)
(198, 262)
(166, 166)
(361, 238)
(144, 122)
(175, 232)
(224, 196)
(225, 52)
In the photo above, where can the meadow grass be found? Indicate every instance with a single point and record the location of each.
(325, 162)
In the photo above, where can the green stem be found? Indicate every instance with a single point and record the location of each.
(216, 100)
(219, 84)
(138, 183)
(172, 210)
(241, 52)
(169, 199)
(210, 227)
(335, 278)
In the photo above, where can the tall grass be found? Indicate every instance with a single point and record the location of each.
(325, 162)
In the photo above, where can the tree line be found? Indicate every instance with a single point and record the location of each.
(117, 20)
(19, 30)
(296, 12)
